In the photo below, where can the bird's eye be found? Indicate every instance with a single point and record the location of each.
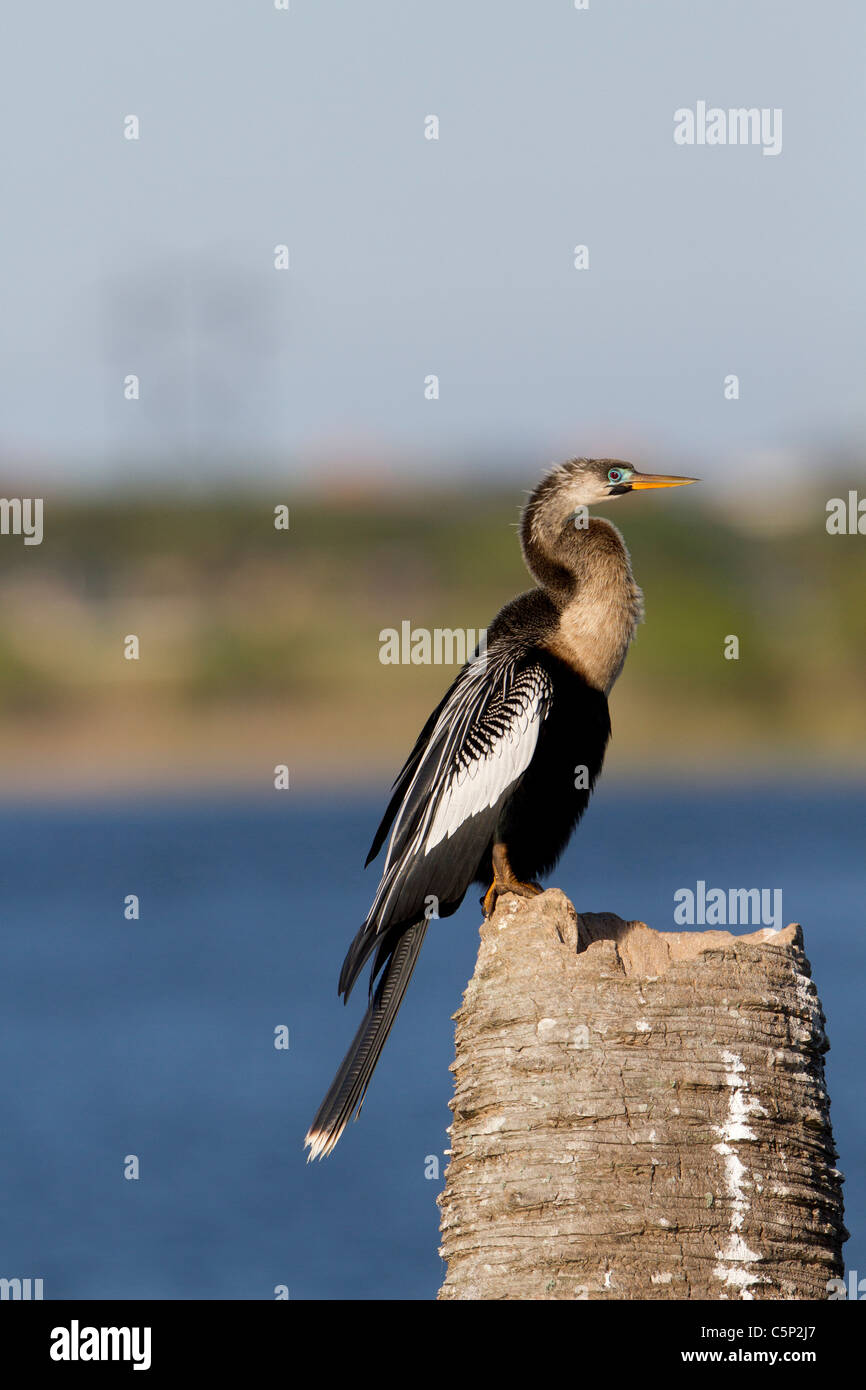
(615, 475)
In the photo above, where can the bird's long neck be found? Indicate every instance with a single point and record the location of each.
(586, 572)
(542, 552)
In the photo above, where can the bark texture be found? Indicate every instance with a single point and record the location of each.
(638, 1114)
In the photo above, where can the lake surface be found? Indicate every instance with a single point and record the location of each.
(155, 1037)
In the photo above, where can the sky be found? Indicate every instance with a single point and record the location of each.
(411, 257)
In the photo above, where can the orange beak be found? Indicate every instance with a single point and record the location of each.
(646, 480)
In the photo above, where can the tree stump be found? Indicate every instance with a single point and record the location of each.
(638, 1115)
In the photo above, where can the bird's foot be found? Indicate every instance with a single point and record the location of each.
(497, 889)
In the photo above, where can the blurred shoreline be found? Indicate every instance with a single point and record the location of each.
(209, 756)
(261, 647)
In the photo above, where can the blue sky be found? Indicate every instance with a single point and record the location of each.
(411, 256)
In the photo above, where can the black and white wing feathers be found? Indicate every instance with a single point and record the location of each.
(447, 800)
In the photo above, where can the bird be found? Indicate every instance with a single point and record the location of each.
(503, 769)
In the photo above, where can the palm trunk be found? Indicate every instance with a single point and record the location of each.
(638, 1115)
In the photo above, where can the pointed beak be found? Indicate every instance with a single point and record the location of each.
(646, 480)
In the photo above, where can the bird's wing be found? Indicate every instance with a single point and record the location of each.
(403, 780)
(478, 746)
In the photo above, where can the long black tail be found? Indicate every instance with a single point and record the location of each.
(350, 1084)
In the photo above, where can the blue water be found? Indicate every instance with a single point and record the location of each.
(155, 1037)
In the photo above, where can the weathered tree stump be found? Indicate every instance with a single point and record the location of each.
(638, 1114)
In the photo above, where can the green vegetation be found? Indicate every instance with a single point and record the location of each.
(234, 615)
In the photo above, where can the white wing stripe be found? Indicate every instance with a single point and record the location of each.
(490, 773)
(477, 735)
(457, 714)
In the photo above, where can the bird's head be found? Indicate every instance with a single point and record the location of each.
(583, 482)
(556, 510)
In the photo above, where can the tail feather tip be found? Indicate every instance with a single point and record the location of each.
(320, 1143)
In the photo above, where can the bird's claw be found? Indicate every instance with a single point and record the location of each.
(497, 890)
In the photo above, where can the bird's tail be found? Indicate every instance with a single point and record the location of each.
(350, 1084)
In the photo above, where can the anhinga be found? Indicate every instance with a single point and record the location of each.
(503, 769)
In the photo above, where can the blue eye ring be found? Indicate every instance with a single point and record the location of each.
(615, 475)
